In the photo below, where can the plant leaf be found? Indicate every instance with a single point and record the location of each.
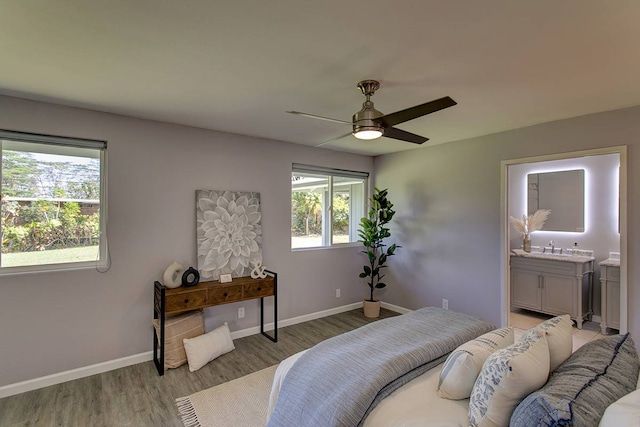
(381, 285)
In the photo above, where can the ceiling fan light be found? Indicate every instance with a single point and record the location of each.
(368, 133)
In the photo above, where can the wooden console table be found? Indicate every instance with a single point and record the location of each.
(209, 294)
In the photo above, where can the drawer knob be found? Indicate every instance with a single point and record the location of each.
(259, 288)
(186, 301)
(226, 294)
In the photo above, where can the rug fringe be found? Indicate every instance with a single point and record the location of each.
(187, 412)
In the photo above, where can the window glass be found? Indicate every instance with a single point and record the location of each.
(308, 193)
(347, 208)
(52, 205)
(326, 206)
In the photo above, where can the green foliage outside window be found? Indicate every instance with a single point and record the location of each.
(307, 213)
(42, 224)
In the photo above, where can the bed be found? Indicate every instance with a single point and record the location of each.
(385, 363)
(330, 384)
(414, 404)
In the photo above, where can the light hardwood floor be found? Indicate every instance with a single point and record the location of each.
(522, 320)
(138, 396)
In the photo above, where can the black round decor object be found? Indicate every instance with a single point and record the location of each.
(190, 277)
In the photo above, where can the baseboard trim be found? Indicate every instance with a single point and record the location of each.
(295, 320)
(395, 308)
(73, 374)
(110, 365)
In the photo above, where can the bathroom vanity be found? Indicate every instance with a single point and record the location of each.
(610, 292)
(553, 284)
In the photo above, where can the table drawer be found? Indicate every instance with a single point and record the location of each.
(185, 301)
(254, 290)
(226, 294)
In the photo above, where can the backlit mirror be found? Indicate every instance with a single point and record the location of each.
(561, 192)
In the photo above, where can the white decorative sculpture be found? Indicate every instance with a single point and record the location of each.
(173, 275)
(258, 271)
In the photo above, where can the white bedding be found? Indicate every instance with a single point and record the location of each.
(414, 404)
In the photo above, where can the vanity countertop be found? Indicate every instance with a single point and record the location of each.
(610, 262)
(578, 259)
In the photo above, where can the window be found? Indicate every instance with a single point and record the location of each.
(53, 211)
(326, 206)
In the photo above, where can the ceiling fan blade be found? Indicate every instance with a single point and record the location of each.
(313, 116)
(415, 112)
(404, 136)
(332, 139)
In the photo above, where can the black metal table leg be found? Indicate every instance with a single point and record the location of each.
(273, 338)
(158, 313)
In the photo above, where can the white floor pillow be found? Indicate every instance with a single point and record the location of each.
(203, 349)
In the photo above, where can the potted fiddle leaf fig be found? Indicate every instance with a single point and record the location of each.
(372, 233)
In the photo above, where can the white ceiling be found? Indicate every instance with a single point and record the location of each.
(237, 66)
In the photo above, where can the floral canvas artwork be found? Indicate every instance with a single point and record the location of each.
(228, 233)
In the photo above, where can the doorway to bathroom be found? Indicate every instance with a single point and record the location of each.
(586, 193)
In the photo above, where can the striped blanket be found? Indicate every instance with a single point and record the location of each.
(339, 381)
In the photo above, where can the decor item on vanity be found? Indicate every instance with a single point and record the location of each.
(228, 232)
(372, 233)
(529, 224)
(191, 277)
(172, 275)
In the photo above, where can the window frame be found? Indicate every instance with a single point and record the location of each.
(327, 226)
(103, 260)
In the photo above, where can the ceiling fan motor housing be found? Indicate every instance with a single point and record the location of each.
(365, 119)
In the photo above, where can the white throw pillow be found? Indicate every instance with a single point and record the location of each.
(507, 377)
(203, 349)
(463, 365)
(623, 412)
(559, 332)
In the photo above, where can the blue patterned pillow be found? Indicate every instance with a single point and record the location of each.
(506, 378)
(579, 391)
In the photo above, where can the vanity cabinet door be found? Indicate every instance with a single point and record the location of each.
(525, 289)
(559, 295)
(613, 304)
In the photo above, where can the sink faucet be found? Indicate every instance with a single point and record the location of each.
(553, 246)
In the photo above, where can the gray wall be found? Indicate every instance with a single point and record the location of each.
(448, 203)
(601, 208)
(53, 322)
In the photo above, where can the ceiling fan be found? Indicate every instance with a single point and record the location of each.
(370, 123)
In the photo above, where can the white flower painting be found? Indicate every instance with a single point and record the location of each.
(228, 232)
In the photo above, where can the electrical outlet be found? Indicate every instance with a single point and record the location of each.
(240, 312)
(337, 293)
(445, 304)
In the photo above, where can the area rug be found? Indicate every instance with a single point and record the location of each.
(240, 402)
